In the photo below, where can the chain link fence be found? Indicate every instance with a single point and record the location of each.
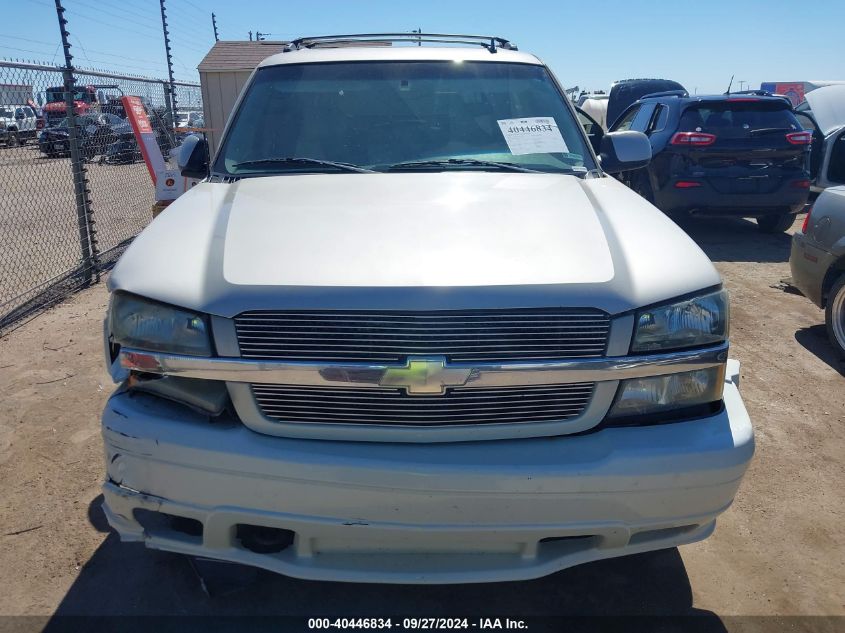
(54, 237)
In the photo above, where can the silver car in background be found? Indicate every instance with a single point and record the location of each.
(824, 113)
(818, 261)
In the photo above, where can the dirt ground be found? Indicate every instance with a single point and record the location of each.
(777, 551)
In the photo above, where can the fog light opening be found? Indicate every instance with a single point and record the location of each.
(167, 525)
(191, 527)
(263, 540)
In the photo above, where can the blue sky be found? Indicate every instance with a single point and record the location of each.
(589, 44)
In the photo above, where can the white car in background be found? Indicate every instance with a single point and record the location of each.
(18, 124)
(596, 107)
(824, 113)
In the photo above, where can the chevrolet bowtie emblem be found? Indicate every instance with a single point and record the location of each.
(425, 376)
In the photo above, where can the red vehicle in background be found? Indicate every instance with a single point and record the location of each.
(85, 100)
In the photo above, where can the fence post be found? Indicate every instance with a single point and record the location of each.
(169, 58)
(168, 102)
(87, 240)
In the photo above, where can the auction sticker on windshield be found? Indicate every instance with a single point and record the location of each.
(535, 135)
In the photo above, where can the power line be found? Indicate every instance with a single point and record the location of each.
(183, 13)
(28, 50)
(82, 70)
(87, 17)
(179, 44)
(147, 35)
(24, 39)
(50, 44)
(195, 6)
(135, 15)
(190, 33)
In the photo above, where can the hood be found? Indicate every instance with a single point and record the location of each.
(624, 93)
(453, 240)
(828, 107)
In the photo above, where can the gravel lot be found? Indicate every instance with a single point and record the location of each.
(39, 234)
(777, 551)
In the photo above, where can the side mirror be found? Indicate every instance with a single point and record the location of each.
(623, 151)
(193, 157)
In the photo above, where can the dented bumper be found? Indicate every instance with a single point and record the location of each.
(420, 513)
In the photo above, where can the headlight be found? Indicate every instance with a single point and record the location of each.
(148, 325)
(657, 394)
(698, 321)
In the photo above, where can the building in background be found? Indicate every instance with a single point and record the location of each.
(223, 73)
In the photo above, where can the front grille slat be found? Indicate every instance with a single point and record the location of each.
(249, 333)
(378, 400)
(460, 405)
(270, 403)
(476, 336)
(460, 336)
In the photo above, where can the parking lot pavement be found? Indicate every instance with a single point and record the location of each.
(777, 551)
(39, 234)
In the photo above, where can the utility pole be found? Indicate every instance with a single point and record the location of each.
(259, 36)
(169, 64)
(214, 25)
(250, 36)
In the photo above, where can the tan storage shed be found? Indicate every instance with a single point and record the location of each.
(223, 73)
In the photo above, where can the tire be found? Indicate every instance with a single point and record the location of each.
(12, 139)
(834, 316)
(775, 222)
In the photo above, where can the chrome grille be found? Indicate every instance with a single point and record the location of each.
(384, 337)
(460, 405)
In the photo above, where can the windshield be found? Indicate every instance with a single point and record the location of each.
(57, 95)
(380, 114)
(738, 119)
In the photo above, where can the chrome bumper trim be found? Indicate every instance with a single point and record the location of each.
(369, 375)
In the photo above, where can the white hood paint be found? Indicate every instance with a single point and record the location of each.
(438, 241)
(828, 107)
(413, 230)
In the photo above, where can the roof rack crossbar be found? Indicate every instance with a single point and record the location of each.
(666, 93)
(756, 92)
(490, 42)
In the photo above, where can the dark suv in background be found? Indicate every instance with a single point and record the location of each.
(744, 155)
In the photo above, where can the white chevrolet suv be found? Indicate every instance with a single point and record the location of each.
(409, 330)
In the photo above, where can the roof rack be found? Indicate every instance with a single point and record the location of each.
(666, 93)
(756, 93)
(490, 42)
(760, 93)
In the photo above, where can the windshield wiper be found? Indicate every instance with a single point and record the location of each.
(300, 159)
(768, 130)
(457, 162)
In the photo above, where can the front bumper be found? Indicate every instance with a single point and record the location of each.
(421, 513)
